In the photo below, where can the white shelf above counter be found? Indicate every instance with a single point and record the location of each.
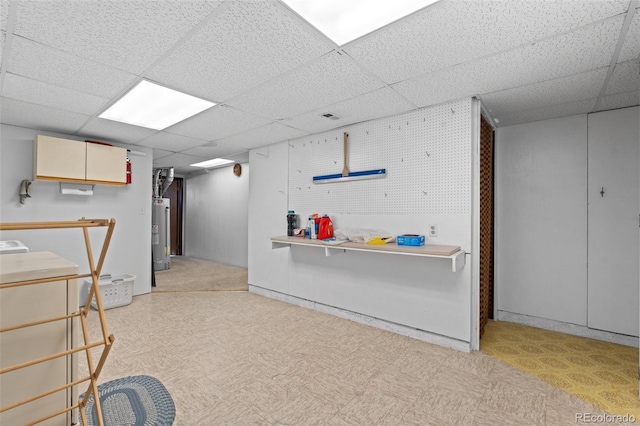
(453, 253)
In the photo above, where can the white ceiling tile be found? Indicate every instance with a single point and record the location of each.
(160, 153)
(53, 66)
(187, 170)
(241, 157)
(453, 32)
(177, 160)
(625, 78)
(170, 142)
(215, 151)
(579, 51)
(384, 102)
(129, 35)
(3, 60)
(313, 122)
(326, 81)
(216, 123)
(112, 131)
(244, 45)
(25, 89)
(556, 111)
(272, 133)
(620, 100)
(631, 47)
(4, 15)
(548, 93)
(39, 117)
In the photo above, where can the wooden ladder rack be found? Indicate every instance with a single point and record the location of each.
(107, 339)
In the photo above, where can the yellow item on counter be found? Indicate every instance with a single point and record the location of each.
(377, 240)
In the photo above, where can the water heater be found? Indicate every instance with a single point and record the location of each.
(161, 220)
(161, 234)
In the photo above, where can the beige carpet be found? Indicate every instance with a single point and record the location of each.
(239, 359)
(191, 274)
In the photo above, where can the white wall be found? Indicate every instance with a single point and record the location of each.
(130, 248)
(267, 216)
(216, 215)
(421, 293)
(565, 255)
(541, 219)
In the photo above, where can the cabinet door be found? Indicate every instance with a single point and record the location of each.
(614, 249)
(59, 159)
(25, 304)
(106, 163)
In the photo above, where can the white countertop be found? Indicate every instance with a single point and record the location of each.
(32, 266)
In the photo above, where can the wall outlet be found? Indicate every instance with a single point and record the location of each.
(433, 230)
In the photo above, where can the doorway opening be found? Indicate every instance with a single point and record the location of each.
(486, 223)
(175, 194)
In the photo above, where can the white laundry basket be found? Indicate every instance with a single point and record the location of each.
(116, 290)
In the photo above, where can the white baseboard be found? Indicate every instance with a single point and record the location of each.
(415, 333)
(564, 327)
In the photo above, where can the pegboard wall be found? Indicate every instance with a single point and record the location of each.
(426, 153)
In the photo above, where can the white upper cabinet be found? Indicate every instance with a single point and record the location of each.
(106, 164)
(59, 159)
(75, 161)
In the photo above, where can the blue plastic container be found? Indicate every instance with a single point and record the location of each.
(410, 240)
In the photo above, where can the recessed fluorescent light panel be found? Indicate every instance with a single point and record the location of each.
(343, 21)
(155, 107)
(212, 163)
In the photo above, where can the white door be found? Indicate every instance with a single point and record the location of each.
(614, 200)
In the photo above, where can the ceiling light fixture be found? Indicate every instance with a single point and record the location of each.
(343, 21)
(154, 106)
(212, 163)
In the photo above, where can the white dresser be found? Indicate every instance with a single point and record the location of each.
(30, 303)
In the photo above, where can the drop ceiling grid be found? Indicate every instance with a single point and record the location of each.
(159, 153)
(426, 153)
(220, 150)
(573, 53)
(450, 33)
(625, 78)
(25, 89)
(631, 47)
(326, 81)
(620, 100)
(39, 117)
(245, 45)
(103, 30)
(217, 123)
(170, 142)
(42, 63)
(266, 135)
(551, 92)
(379, 103)
(546, 113)
(113, 131)
(178, 160)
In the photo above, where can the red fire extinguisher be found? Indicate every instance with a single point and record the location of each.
(128, 171)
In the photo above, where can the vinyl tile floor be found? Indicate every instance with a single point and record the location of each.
(236, 358)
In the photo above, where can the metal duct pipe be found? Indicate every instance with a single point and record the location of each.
(156, 183)
(166, 182)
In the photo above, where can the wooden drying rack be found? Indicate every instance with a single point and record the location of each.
(107, 339)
